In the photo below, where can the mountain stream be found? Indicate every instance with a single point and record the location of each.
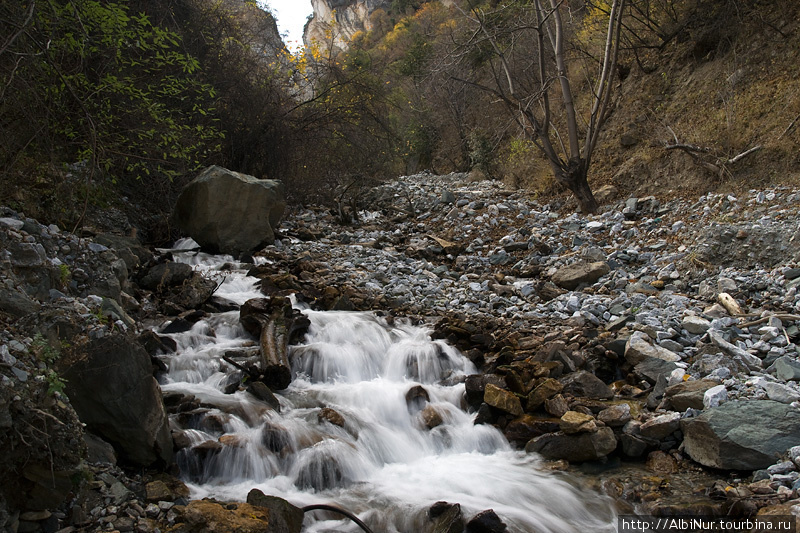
(355, 427)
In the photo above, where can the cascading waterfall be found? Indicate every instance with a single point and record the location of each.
(373, 422)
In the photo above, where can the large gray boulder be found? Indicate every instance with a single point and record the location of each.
(112, 388)
(229, 212)
(742, 435)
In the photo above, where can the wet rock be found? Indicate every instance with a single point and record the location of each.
(206, 516)
(283, 516)
(485, 522)
(332, 416)
(476, 386)
(587, 385)
(574, 448)
(229, 212)
(431, 417)
(416, 398)
(522, 429)
(741, 435)
(574, 422)
(570, 277)
(502, 399)
(446, 518)
(261, 391)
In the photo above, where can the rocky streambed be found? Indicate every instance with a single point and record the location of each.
(650, 351)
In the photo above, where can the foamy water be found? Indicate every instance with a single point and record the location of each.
(383, 462)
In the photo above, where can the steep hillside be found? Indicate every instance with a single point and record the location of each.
(726, 85)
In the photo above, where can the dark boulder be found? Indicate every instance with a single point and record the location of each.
(229, 212)
(112, 388)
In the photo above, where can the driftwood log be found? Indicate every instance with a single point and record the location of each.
(276, 324)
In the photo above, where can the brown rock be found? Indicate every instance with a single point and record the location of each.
(502, 399)
(203, 516)
(544, 391)
(524, 428)
(616, 415)
(574, 448)
(332, 416)
(662, 463)
(688, 394)
(556, 406)
(158, 491)
(574, 422)
(571, 276)
(431, 417)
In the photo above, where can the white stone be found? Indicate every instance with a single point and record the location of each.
(715, 396)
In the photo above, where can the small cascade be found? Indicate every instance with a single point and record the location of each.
(373, 421)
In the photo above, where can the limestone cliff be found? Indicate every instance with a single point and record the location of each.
(344, 18)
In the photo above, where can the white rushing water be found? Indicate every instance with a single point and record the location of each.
(378, 457)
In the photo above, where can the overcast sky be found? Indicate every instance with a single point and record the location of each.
(291, 16)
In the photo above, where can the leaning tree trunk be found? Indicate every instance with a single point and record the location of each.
(574, 177)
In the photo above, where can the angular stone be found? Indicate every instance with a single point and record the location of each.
(584, 384)
(616, 415)
(715, 396)
(571, 276)
(283, 516)
(688, 394)
(229, 212)
(695, 325)
(544, 391)
(260, 390)
(786, 369)
(502, 399)
(660, 427)
(574, 422)
(780, 393)
(115, 394)
(166, 274)
(556, 406)
(741, 435)
(485, 522)
(524, 428)
(475, 386)
(639, 348)
(446, 518)
(431, 417)
(574, 448)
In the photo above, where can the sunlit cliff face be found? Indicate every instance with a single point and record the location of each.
(336, 21)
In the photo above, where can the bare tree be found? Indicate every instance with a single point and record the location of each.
(523, 47)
